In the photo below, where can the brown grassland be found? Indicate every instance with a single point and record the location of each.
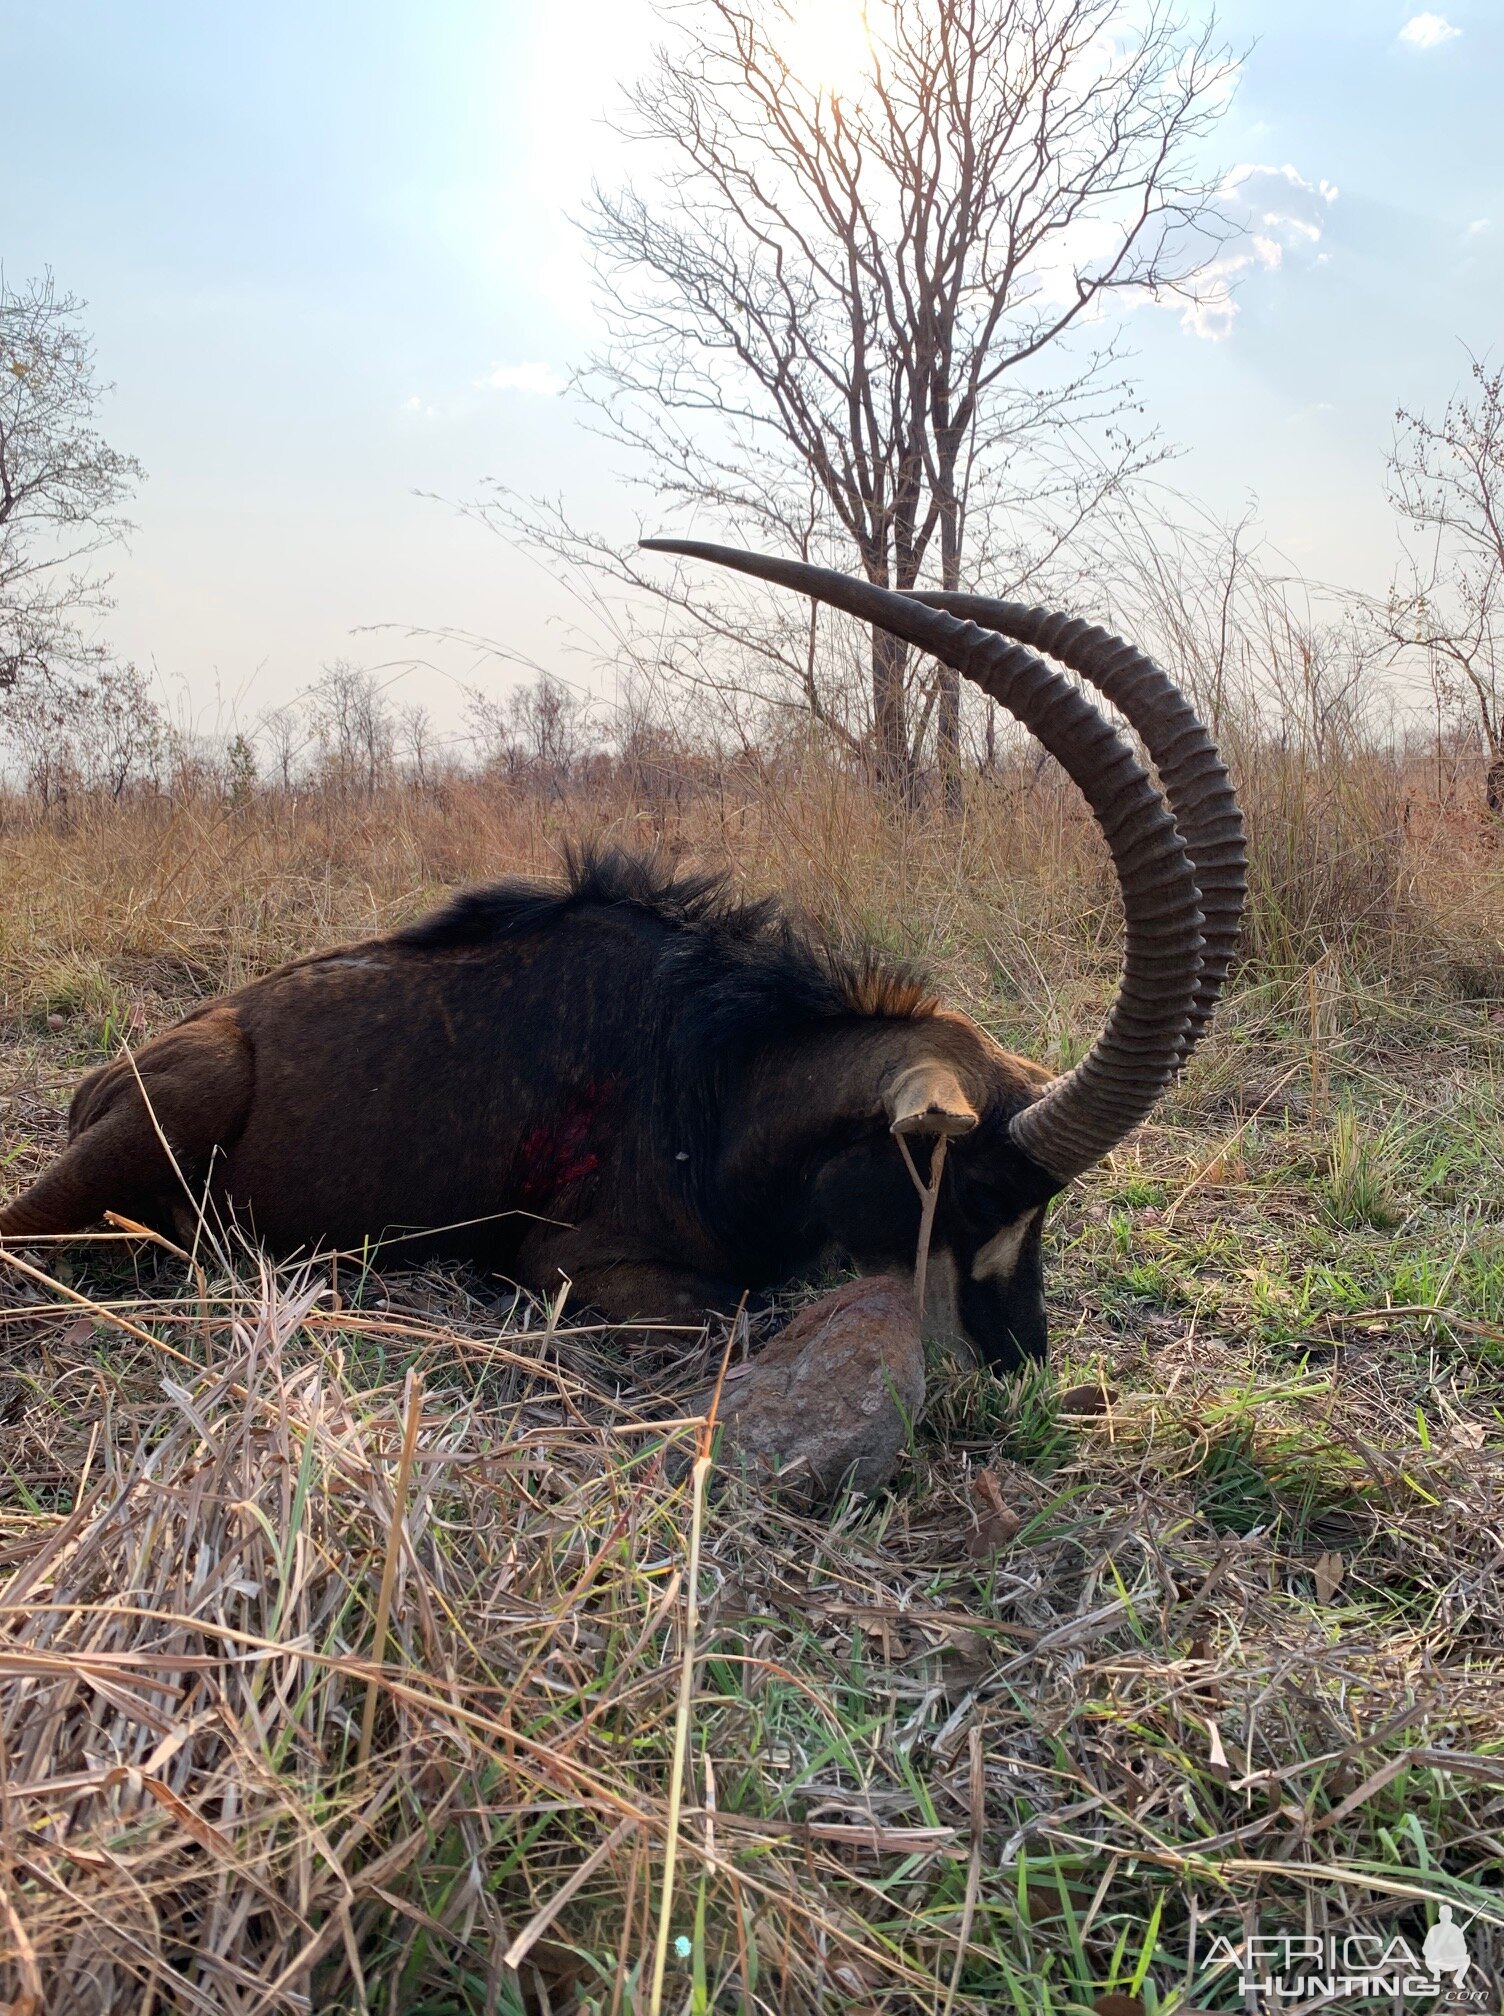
(368, 1644)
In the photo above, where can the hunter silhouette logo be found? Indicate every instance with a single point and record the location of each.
(1445, 1949)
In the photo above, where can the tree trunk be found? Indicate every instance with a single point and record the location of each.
(948, 714)
(890, 728)
(894, 759)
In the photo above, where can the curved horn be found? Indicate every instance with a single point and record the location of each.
(1081, 1116)
(1194, 776)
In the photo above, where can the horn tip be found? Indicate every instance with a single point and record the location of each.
(690, 546)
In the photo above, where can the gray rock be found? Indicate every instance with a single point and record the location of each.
(832, 1397)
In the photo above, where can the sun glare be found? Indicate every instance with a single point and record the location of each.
(827, 45)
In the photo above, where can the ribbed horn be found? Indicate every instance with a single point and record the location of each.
(1084, 1114)
(1194, 776)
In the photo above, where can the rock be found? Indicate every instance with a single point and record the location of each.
(832, 1397)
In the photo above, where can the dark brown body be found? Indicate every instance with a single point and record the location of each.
(663, 1096)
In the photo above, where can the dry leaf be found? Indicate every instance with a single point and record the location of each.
(1328, 1574)
(877, 1629)
(1115, 2004)
(1093, 1398)
(1220, 1766)
(988, 1489)
(997, 1522)
(970, 1658)
(855, 1976)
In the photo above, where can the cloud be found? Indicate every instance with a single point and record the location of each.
(539, 379)
(1264, 217)
(1480, 227)
(1293, 227)
(1428, 31)
(419, 405)
(1271, 216)
(1245, 172)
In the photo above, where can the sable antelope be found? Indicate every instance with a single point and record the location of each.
(667, 1096)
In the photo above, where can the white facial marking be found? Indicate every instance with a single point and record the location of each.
(997, 1259)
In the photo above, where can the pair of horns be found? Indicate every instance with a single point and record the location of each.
(1181, 867)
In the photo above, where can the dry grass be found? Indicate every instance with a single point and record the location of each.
(1084, 1690)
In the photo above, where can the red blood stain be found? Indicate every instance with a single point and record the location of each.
(555, 1154)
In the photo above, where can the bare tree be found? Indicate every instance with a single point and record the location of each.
(543, 724)
(493, 732)
(415, 734)
(1446, 479)
(351, 719)
(39, 738)
(100, 731)
(833, 313)
(549, 720)
(285, 734)
(61, 485)
(123, 733)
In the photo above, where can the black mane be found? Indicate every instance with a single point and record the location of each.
(741, 962)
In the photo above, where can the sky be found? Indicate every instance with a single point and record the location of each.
(330, 271)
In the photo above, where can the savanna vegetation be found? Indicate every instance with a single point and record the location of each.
(367, 1645)
(373, 1638)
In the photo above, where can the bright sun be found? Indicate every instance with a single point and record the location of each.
(826, 45)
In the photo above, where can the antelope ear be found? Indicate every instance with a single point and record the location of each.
(927, 1099)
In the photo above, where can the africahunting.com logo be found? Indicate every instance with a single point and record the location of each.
(1320, 1967)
